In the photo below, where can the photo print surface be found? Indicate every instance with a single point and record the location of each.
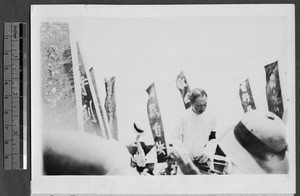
(165, 92)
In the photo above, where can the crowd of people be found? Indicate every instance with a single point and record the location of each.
(255, 145)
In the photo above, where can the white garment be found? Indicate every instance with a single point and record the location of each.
(193, 131)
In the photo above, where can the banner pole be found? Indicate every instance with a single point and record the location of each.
(76, 80)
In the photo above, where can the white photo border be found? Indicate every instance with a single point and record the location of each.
(211, 184)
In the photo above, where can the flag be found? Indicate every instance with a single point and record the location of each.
(102, 115)
(90, 117)
(246, 96)
(183, 88)
(156, 124)
(273, 90)
(110, 106)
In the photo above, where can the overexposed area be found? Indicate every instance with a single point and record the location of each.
(215, 53)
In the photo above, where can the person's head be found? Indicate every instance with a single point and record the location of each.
(198, 100)
(257, 144)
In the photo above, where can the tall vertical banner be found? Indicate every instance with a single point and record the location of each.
(246, 96)
(273, 90)
(90, 117)
(110, 106)
(156, 124)
(183, 88)
(102, 115)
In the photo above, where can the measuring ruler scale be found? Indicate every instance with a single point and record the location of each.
(15, 70)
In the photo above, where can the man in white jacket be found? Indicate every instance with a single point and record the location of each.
(197, 130)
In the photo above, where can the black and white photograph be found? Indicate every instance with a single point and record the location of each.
(163, 99)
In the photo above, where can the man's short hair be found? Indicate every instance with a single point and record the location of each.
(195, 93)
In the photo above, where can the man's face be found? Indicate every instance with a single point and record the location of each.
(200, 104)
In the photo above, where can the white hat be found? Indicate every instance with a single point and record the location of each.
(256, 133)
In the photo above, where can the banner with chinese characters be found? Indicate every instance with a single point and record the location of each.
(273, 89)
(156, 124)
(110, 106)
(183, 88)
(246, 96)
(90, 117)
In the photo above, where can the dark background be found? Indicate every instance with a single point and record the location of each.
(17, 183)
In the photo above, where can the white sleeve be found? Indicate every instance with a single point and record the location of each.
(210, 148)
(211, 145)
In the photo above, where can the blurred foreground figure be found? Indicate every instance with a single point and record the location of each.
(256, 145)
(78, 153)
